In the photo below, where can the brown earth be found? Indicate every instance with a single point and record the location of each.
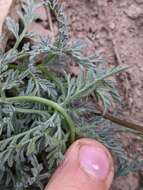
(114, 29)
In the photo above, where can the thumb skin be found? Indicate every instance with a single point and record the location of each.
(88, 165)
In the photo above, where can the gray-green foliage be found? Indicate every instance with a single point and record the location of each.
(43, 110)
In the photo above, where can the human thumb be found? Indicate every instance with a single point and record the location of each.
(88, 165)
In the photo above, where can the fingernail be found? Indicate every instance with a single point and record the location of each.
(94, 161)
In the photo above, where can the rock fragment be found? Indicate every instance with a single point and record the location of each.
(134, 11)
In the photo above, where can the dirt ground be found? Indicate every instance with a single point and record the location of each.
(114, 29)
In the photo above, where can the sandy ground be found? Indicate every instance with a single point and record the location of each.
(114, 29)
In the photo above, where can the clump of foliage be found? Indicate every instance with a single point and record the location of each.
(43, 108)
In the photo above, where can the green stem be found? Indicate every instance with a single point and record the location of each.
(22, 55)
(50, 103)
(31, 111)
(20, 38)
(48, 59)
(88, 89)
(2, 93)
(52, 77)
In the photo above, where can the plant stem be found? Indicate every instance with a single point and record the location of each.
(2, 93)
(50, 103)
(124, 123)
(88, 89)
(31, 111)
(20, 38)
(52, 77)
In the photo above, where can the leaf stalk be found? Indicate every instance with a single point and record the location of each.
(50, 103)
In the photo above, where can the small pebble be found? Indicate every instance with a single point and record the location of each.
(102, 3)
(134, 11)
(112, 25)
